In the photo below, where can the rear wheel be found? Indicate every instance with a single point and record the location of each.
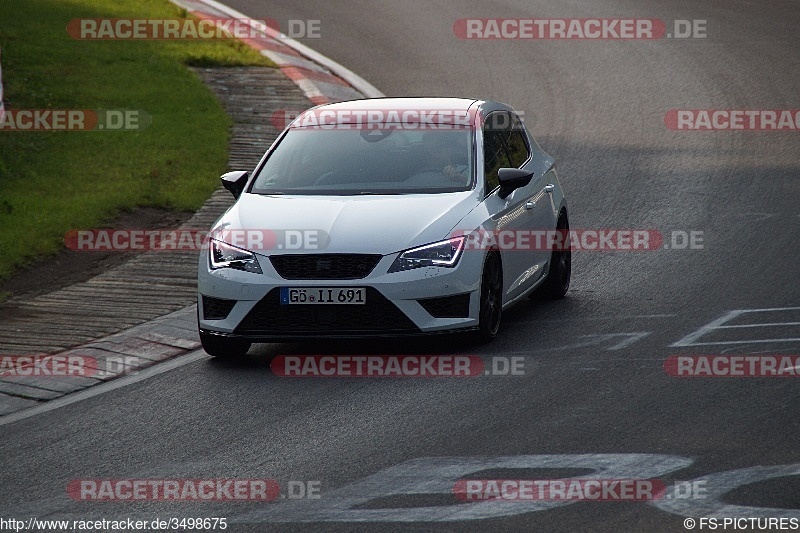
(491, 309)
(223, 347)
(557, 283)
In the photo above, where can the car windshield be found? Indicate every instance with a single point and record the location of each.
(368, 161)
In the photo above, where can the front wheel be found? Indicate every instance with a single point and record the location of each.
(491, 308)
(223, 347)
(557, 283)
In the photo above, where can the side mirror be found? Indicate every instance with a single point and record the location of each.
(511, 179)
(234, 182)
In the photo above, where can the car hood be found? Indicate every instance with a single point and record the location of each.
(381, 224)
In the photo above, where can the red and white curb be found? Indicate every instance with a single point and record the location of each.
(319, 77)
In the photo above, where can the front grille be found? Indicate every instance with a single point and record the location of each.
(377, 316)
(324, 266)
(447, 306)
(216, 308)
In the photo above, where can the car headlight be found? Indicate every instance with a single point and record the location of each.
(223, 255)
(441, 254)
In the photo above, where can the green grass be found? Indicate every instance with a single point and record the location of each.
(51, 182)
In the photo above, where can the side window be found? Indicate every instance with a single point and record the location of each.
(517, 146)
(495, 155)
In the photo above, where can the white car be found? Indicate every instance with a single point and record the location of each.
(384, 217)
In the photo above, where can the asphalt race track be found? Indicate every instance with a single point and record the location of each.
(594, 398)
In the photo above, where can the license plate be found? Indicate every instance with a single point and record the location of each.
(323, 295)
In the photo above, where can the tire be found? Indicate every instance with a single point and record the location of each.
(557, 283)
(491, 308)
(223, 347)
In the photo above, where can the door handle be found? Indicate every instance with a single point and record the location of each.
(530, 205)
(549, 188)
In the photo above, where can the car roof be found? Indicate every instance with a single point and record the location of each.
(342, 112)
(408, 103)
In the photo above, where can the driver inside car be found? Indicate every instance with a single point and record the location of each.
(445, 155)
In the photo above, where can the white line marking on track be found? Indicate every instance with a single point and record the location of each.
(764, 325)
(718, 324)
(747, 341)
(631, 338)
(689, 339)
(770, 309)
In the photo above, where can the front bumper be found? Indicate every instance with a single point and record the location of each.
(392, 305)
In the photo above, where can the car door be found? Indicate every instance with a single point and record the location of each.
(525, 212)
